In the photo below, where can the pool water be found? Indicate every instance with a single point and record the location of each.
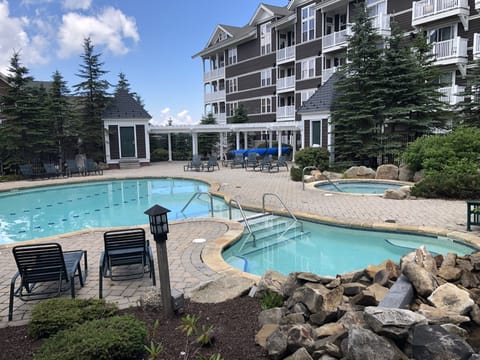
(46, 211)
(359, 187)
(330, 250)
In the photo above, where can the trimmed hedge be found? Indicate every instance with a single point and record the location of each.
(312, 156)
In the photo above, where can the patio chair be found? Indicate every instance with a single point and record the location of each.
(72, 167)
(91, 167)
(51, 170)
(281, 162)
(129, 250)
(27, 172)
(212, 163)
(264, 164)
(237, 161)
(39, 266)
(251, 161)
(196, 164)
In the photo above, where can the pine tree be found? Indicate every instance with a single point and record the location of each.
(16, 146)
(356, 114)
(122, 84)
(469, 108)
(207, 141)
(92, 92)
(240, 116)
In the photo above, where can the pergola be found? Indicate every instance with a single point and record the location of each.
(237, 129)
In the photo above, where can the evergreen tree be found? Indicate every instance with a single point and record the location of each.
(92, 91)
(240, 116)
(16, 145)
(123, 83)
(469, 108)
(207, 142)
(356, 115)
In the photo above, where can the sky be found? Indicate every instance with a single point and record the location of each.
(151, 41)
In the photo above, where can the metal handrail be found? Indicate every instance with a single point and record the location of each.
(243, 216)
(303, 174)
(196, 195)
(333, 184)
(295, 220)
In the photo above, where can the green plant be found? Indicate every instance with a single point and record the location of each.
(114, 338)
(203, 335)
(159, 155)
(271, 299)
(52, 315)
(296, 173)
(312, 156)
(154, 349)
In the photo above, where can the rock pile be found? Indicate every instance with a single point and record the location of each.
(354, 316)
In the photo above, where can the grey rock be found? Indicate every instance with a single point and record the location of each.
(475, 260)
(405, 173)
(276, 343)
(423, 281)
(451, 298)
(271, 316)
(400, 294)
(441, 316)
(300, 354)
(475, 314)
(265, 331)
(450, 273)
(469, 279)
(450, 260)
(455, 329)
(271, 281)
(353, 319)
(294, 318)
(387, 172)
(351, 289)
(394, 323)
(222, 289)
(300, 335)
(394, 194)
(364, 344)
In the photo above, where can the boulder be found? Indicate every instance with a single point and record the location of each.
(450, 273)
(394, 194)
(364, 344)
(451, 298)
(405, 173)
(359, 172)
(394, 323)
(332, 175)
(264, 332)
(419, 175)
(271, 316)
(370, 296)
(475, 260)
(317, 297)
(271, 281)
(298, 336)
(387, 172)
(329, 330)
(276, 343)
(441, 316)
(423, 282)
(300, 354)
(222, 289)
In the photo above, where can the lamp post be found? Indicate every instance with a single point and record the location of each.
(159, 229)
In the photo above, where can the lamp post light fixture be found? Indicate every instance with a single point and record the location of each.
(159, 229)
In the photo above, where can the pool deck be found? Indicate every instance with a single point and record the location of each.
(193, 263)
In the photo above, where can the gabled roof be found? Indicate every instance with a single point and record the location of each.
(293, 4)
(322, 100)
(266, 12)
(124, 106)
(222, 33)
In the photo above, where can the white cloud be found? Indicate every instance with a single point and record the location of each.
(14, 37)
(77, 4)
(181, 118)
(111, 29)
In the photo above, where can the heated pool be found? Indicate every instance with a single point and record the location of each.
(359, 187)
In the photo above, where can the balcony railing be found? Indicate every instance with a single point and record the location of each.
(453, 50)
(477, 5)
(284, 112)
(214, 74)
(285, 83)
(215, 96)
(476, 46)
(286, 54)
(450, 94)
(381, 22)
(327, 73)
(428, 10)
(336, 39)
(221, 118)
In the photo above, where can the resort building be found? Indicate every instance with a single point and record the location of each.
(274, 64)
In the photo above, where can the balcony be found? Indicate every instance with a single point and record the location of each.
(214, 74)
(382, 24)
(450, 94)
(285, 113)
(336, 40)
(453, 51)
(477, 5)
(221, 118)
(215, 96)
(432, 10)
(327, 73)
(286, 54)
(286, 84)
(476, 46)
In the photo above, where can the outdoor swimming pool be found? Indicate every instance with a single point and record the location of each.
(329, 250)
(53, 210)
(359, 187)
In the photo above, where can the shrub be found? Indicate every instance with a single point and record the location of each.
(296, 173)
(159, 155)
(448, 186)
(312, 156)
(117, 337)
(52, 315)
(271, 299)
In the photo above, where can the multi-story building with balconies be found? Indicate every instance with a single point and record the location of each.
(276, 62)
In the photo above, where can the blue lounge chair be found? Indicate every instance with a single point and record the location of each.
(51, 170)
(196, 164)
(251, 161)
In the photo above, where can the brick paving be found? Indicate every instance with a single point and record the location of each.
(188, 266)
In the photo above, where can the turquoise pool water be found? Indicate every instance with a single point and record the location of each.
(359, 187)
(46, 211)
(330, 250)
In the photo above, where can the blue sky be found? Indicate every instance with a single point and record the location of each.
(150, 41)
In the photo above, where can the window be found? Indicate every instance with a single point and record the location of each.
(266, 105)
(231, 108)
(308, 23)
(376, 7)
(305, 95)
(441, 34)
(232, 56)
(265, 39)
(266, 77)
(308, 69)
(232, 85)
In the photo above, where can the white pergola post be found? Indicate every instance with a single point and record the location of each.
(245, 140)
(279, 143)
(170, 147)
(195, 143)
(270, 138)
(237, 138)
(221, 145)
(294, 145)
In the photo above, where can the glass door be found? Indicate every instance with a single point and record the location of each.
(127, 141)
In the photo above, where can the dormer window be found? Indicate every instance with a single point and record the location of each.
(265, 39)
(308, 23)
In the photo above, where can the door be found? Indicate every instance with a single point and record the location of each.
(127, 141)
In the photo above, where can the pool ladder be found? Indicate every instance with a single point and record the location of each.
(196, 196)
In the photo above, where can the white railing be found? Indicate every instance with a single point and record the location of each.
(286, 54)
(450, 94)
(477, 5)
(214, 74)
(215, 96)
(285, 112)
(285, 83)
(381, 22)
(453, 48)
(427, 8)
(336, 38)
(221, 118)
(476, 46)
(327, 73)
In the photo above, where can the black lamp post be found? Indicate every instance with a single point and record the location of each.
(159, 229)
